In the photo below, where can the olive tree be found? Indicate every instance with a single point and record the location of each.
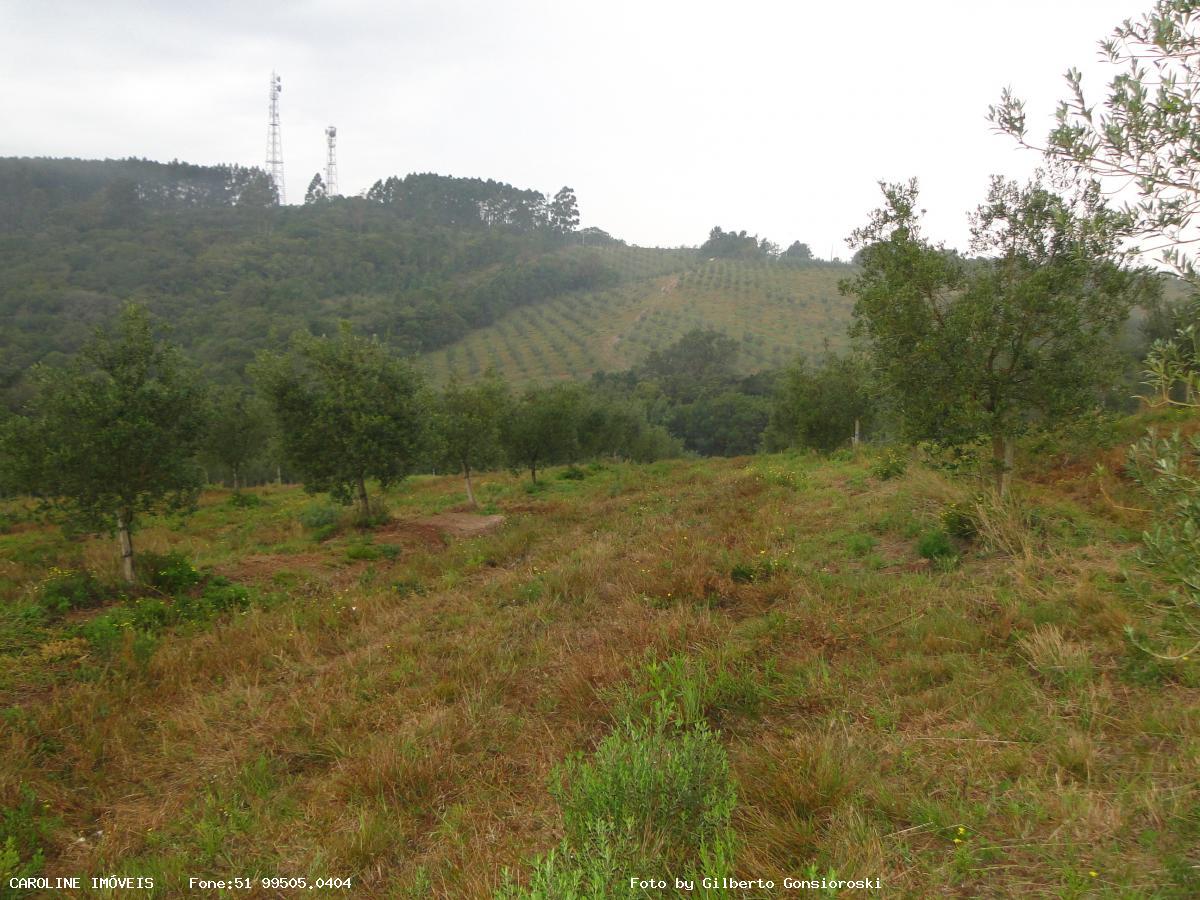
(469, 420)
(347, 411)
(111, 436)
(1142, 135)
(978, 347)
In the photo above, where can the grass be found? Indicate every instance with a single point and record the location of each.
(773, 310)
(427, 718)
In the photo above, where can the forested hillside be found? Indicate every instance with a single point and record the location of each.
(419, 263)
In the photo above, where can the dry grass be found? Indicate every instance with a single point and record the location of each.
(397, 720)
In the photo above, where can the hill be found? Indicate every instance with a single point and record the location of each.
(424, 261)
(774, 309)
(954, 716)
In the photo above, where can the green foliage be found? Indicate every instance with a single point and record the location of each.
(237, 433)
(347, 410)
(960, 519)
(543, 428)
(63, 590)
(733, 245)
(1142, 133)
(321, 519)
(168, 572)
(24, 828)
(861, 544)
(977, 348)
(891, 463)
(1169, 470)
(113, 435)
(242, 500)
(935, 545)
(820, 406)
(701, 362)
(468, 423)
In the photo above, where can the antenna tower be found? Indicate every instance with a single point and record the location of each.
(274, 141)
(331, 189)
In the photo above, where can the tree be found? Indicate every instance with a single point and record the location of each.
(543, 428)
(700, 362)
(798, 252)
(347, 411)
(237, 433)
(469, 425)
(113, 435)
(1145, 138)
(980, 347)
(730, 245)
(822, 407)
(317, 192)
(564, 211)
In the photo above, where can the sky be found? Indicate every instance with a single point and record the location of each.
(665, 117)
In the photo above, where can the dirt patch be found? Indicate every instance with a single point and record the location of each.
(262, 567)
(433, 530)
(461, 524)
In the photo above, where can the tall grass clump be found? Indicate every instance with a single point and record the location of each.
(654, 797)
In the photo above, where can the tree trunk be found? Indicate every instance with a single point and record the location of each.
(470, 492)
(857, 439)
(1002, 460)
(235, 479)
(533, 473)
(364, 504)
(124, 520)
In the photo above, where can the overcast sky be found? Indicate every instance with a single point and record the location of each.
(666, 117)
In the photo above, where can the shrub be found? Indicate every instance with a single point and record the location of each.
(669, 785)
(861, 544)
(168, 572)
(572, 473)
(63, 590)
(322, 519)
(890, 464)
(239, 500)
(935, 544)
(960, 519)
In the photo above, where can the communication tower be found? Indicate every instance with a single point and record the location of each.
(331, 189)
(275, 141)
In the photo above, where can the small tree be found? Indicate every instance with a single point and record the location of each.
(238, 432)
(347, 411)
(543, 428)
(469, 425)
(113, 435)
(976, 348)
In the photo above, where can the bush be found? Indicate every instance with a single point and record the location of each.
(935, 544)
(322, 519)
(63, 590)
(572, 473)
(890, 464)
(861, 544)
(168, 572)
(669, 785)
(960, 519)
(238, 500)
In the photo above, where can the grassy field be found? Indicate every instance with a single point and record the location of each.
(774, 310)
(862, 694)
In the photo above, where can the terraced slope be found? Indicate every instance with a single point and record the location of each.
(775, 310)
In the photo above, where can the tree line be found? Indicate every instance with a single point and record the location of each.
(127, 426)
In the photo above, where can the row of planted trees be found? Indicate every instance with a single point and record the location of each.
(126, 428)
